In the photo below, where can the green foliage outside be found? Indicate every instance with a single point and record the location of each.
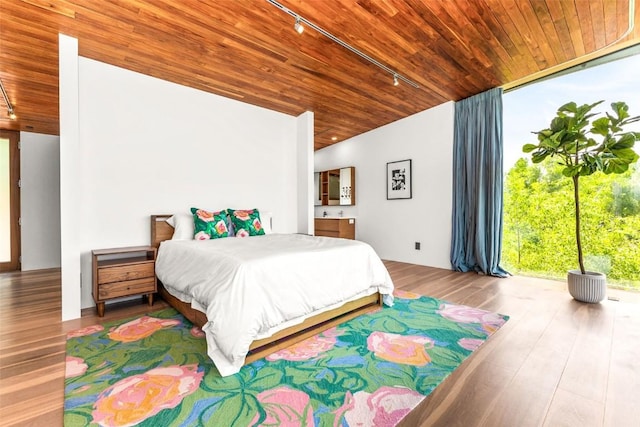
(538, 237)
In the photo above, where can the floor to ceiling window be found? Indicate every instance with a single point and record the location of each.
(539, 237)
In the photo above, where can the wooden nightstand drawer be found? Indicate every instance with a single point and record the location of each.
(125, 272)
(126, 288)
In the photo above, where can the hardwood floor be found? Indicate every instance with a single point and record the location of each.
(556, 362)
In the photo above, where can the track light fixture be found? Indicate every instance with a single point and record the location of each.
(10, 111)
(299, 28)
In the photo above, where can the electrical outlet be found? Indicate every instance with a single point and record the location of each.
(417, 246)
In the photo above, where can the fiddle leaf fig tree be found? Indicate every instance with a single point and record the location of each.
(584, 144)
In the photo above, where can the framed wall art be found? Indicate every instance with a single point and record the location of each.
(399, 180)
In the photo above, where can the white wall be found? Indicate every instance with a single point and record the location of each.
(304, 176)
(149, 146)
(393, 226)
(40, 200)
(69, 177)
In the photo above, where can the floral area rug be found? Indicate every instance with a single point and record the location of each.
(369, 371)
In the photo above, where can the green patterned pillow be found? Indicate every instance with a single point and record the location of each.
(246, 222)
(209, 225)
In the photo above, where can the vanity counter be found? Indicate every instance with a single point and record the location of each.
(343, 227)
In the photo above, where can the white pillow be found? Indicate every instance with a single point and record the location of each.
(265, 220)
(183, 226)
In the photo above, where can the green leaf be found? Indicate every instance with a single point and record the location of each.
(527, 148)
(215, 383)
(621, 109)
(625, 155)
(570, 107)
(560, 123)
(570, 171)
(446, 357)
(77, 418)
(539, 156)
(237, 410)
(601, 126)
(266, 377)
(615, 166)
(627, 140)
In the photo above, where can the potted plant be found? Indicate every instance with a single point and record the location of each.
(584, 144)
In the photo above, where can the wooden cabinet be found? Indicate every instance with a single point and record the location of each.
(336, 227)
(123, 272)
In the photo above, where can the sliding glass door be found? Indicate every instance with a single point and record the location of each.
(9, 201)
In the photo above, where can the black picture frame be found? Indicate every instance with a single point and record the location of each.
(399, 181)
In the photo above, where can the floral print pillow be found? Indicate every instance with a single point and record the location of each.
(246, 222)
(209, 225)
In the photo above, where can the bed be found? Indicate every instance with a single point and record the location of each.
(253, 296)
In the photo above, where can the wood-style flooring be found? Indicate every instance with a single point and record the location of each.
(556, 362)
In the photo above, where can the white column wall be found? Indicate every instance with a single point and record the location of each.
(305, 172)
(70, 177)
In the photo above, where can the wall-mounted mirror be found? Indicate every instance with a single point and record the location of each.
(335, 187)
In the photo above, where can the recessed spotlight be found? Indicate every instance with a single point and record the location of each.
(334, 138)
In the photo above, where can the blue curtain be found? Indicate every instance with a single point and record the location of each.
(477, 184)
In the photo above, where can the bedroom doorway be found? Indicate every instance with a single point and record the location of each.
(9, 201)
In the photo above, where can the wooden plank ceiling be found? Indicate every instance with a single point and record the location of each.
(247, 50)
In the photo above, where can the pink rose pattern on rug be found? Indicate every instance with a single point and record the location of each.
(140, 328)
(462, 314)
(369, 371)
(285, 407)
(74, 367)
(470, 344)
(197, 332)
(405, 349)
(85, 331)
(136, 398)
(405, 294)
(384, 407)
(309, 348)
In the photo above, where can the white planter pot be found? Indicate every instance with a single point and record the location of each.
(590, 287)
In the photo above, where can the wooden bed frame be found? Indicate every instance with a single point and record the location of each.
(161, 231)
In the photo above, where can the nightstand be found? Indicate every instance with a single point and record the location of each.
(123, 272)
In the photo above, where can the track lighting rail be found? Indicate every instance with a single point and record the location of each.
(299, 20)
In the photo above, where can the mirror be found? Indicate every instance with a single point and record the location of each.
(335, 187)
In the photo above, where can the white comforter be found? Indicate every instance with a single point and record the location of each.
(252, 287)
